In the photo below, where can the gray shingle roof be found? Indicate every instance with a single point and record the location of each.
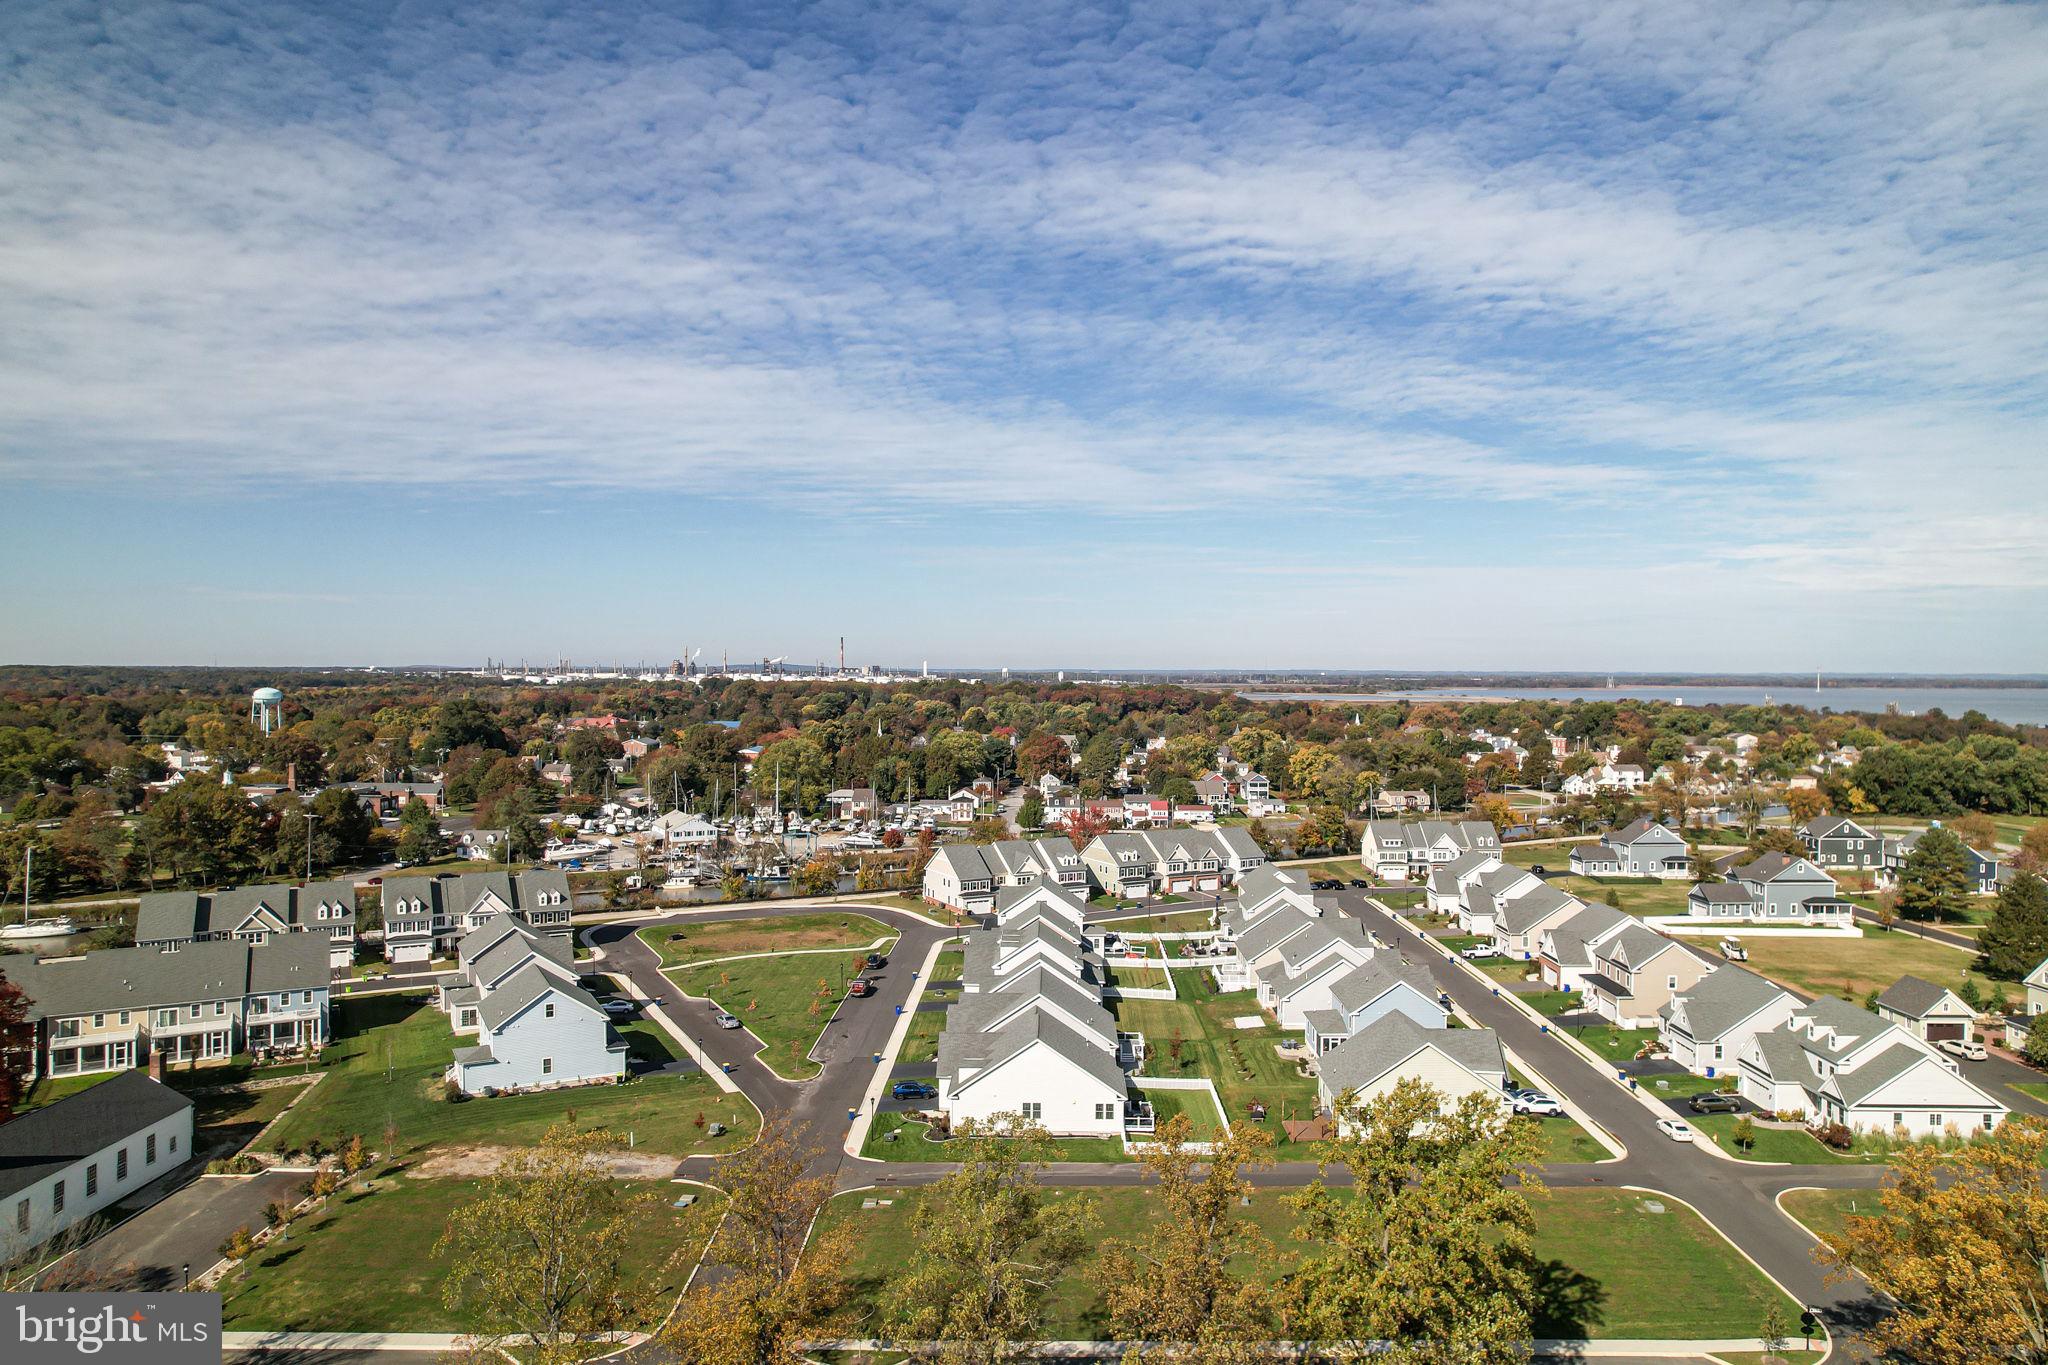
(525, 986)
(1724, 998)
(42, 1142)
(1912, 997)
(1381, 973)
(981, 1012)
(138, 978)
(1389, 1041)
(165, 916)
(1526, 911)
(982, 1052)
(1874, 1072)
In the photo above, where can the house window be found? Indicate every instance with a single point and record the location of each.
(192, 1011)
(305, 997)
(1934, 1119)
(149, 1150)
(220, 1007)
(99, 1021)
(57, 1198)
(550, 1010)
(21, 1216)
(124, 1016)
(174, 1142)
(1105, 1111)
(547, 1066)
(166, 1018)
(92, 1180)
(1032, 1110)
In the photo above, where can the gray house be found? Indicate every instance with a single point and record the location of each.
(1838, 841)
(424, 916)
(1986, 875)
(253, 914)
(536, 1027)
(1643, 849)
(1788, 888)
(1364, 995)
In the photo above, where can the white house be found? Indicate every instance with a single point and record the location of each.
(67, 1161)
(1036, 1067)
(1929, 1012)
(1836, 1063)
(685, 831)
(1456, 1062)
(1707, 1027)
(424, 916)
(537, 1029)
(1398, 851)
(2018, 1026)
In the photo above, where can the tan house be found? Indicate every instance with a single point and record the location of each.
(1636, 973)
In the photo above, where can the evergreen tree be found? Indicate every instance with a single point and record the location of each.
(2016, 939)
(1935, 882)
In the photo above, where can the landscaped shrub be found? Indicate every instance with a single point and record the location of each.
(1835, 1135)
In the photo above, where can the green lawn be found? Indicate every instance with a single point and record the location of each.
(227, 1122)
(682, 944)
(1853, 967)
(947, 965)
(1179, 922)
(1342, 868)
(1551, 1002)
(1241, 1062)
(1205, 1123)
(1144, 976)
(364, 1262)
(386, 1064)
(50, 1089)
(1566, 1143)
(785, 1000)
(921, 1043)
(1794, 1145)
(1609, 1264)
(1615, 1044)
(1823, 1211)
(911, 1144)
(2038, 1089)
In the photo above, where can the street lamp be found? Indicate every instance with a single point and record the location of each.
(186, 1271)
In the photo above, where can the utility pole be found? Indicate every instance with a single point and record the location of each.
(311, 820)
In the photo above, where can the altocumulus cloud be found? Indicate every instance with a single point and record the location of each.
(1726, 279)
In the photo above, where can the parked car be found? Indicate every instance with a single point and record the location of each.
(724, 1020)
(1540, 870)
(860, 987)
(1714, 1102)
(1478, 950)
(1968, 1049)
(1678, 1130)
(618, 1008)
(876, 960)
(913, 1090)
(1360, 884)
(1537, 1103)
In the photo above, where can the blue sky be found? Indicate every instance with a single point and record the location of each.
(1471, 335)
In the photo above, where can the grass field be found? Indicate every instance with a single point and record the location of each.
(1609, 1264)
(911, 1144)
(1342, 868)
(326, 1279)
(386, 1062)
(1178, 922)
(1205, 1124)
(1135, 976)
(682, 944)
(1823, 1210)
(1566, 1143)
(1853, 967)
(786, 1000)
(1615, 1044)
(50, 1089)
(1241, 1062)
(921, 1042)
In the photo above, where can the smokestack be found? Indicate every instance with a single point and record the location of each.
(842, 661)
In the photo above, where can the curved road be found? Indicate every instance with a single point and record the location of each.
(1736, 1197)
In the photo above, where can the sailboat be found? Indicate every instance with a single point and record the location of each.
(54, 927)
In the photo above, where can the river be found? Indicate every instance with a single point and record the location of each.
(2012, 705)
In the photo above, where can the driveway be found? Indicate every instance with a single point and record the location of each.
(187, 1227)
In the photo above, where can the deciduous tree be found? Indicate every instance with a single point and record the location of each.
(988, 1245)
(1429, 1252)
(538, 1256)
(1959, 1244)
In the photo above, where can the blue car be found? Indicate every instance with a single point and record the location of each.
(913, 1090)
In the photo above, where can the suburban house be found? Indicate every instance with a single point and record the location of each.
(1519, 923)
(1645, 848)
(1985, 874)
(1929, 1012)
(1384, 985)
(1299, 974)
(1624, 777)
(187, 1003)
(1137, 864)
(1838, 841)
(1836, 1063)
(1030, 1035)
(687, 831)
(1565, 949)
(1268, 888)
(1706, 1028)
(536, 1027)
(1774, 889)
(2018, 1026)
(254, 914)
(424, 916)
(1214, 792)
(967, 876)
(390, 798)
(64, 1162)
(1636, 973)
(1393, 802)
(1406, 851)
(1456, 1062)
(1446, 892)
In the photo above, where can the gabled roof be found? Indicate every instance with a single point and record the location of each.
(1392, 1039)
(42, 1142)
(1859, 1083)
(1916, 998)
(1772, 866)
(1634, 946)
(1724, 999)
(139, 978)
(988, 1010)
(1642, 829)
(1722, 893)
(1526, 911)
(983, 1053)
(173, 915)
(1270, 930)
(525, 986)
(1381, 973)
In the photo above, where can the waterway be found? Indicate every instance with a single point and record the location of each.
(2012, 705)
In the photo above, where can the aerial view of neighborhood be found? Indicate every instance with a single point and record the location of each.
(872, 683)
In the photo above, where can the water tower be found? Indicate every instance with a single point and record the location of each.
(266, 709)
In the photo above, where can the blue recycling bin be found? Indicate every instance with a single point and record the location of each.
(852, 1114)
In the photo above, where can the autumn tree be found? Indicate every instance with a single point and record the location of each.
(1175, 1286)
(1975, 829)
(1957, 1245)
(1429, 1252)
(539, 1255)
(1805, 804)
(1935, 882)
(988, 1243)
(771, 1283)
(17, 1044)
(2033, 854)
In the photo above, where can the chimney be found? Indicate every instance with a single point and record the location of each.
(291, 777)
(156, 1065)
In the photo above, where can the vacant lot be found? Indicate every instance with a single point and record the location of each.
(1609, 1263)
(1853, 967)
(786, 1000)
(682, 944)
(386, 1063)
(328, 1278)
